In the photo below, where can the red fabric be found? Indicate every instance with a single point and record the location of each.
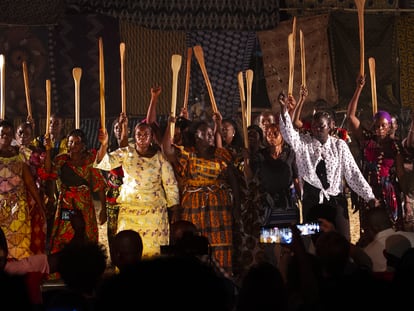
(33, 283)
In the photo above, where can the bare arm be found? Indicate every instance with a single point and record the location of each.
(152, 108)
(123, 122)
(353, 121)
(296, 119)
(31, 187)
(217, 118)
(166, 144)
(103, 139)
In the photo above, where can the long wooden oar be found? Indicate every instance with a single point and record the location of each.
(187, 76)
(2, 87)
(291, 63)
(249, 85)
(77, 74)
(48, 107)
(101, 84)
(302, 57)
(27, 89)
(175, 66)
(123, 97)
(243, 108)
(199, 54)
(360, 7)
(371, 62)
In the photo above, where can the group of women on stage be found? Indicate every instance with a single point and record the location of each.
(202, 173)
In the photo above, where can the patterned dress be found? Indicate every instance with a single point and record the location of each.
(207, 200)
(378, 167)
(14, 210)
(35, 159)
(114, 182)
(149, 187)
(77, 185)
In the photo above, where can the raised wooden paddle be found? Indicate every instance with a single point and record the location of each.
(77, 74)
(122, 55)
(249, 85)
(27, 89)
(102, 83)
(175, 66)
(199, 54)
(360, 7)
(371, 62)
(48, 106)
(2, 86)
(302, 57)
(187, 76)
(291, 63)
(240, 81)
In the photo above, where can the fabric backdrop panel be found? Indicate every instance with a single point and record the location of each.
(30, 44)
(405, 31)
(76, 44)
(380, 44)
(188, 15)
(148, 63)
(274, 45)
(226, 53)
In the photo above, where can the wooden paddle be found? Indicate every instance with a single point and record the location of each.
(360, 7)
(249, 84)
(2, 87)
(48, 105)
(175, 66)
(302, 57)
(77, 74)
(243, 108)
(27, 89)
(123, 97)
(291, 63)
(199, 54)
(187, 76)
(101, 84)
(371, 62)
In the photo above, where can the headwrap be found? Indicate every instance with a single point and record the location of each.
(383, 114)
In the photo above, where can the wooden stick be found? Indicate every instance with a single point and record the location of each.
(122, 55)
(2, 87)
(294, 35)
(291, 63)
(101, 84)
(187, 76)
(302, 57)
(175, 66)
(77, 74)
(48, 105)
(360, 7)
(27, 89)
(243, 108)
(249, 84)
(371, 62)
(199, 54)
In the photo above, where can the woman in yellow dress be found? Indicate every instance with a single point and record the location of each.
(149, 186)
(16, 180)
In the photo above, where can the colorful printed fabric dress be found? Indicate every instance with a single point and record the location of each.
(14, 210)
(35, 159)
(207, 201)
(77, 185)
(149, 187)
(379, 170)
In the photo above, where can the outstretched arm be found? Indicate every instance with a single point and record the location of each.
(353, 121)
(296, 120)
